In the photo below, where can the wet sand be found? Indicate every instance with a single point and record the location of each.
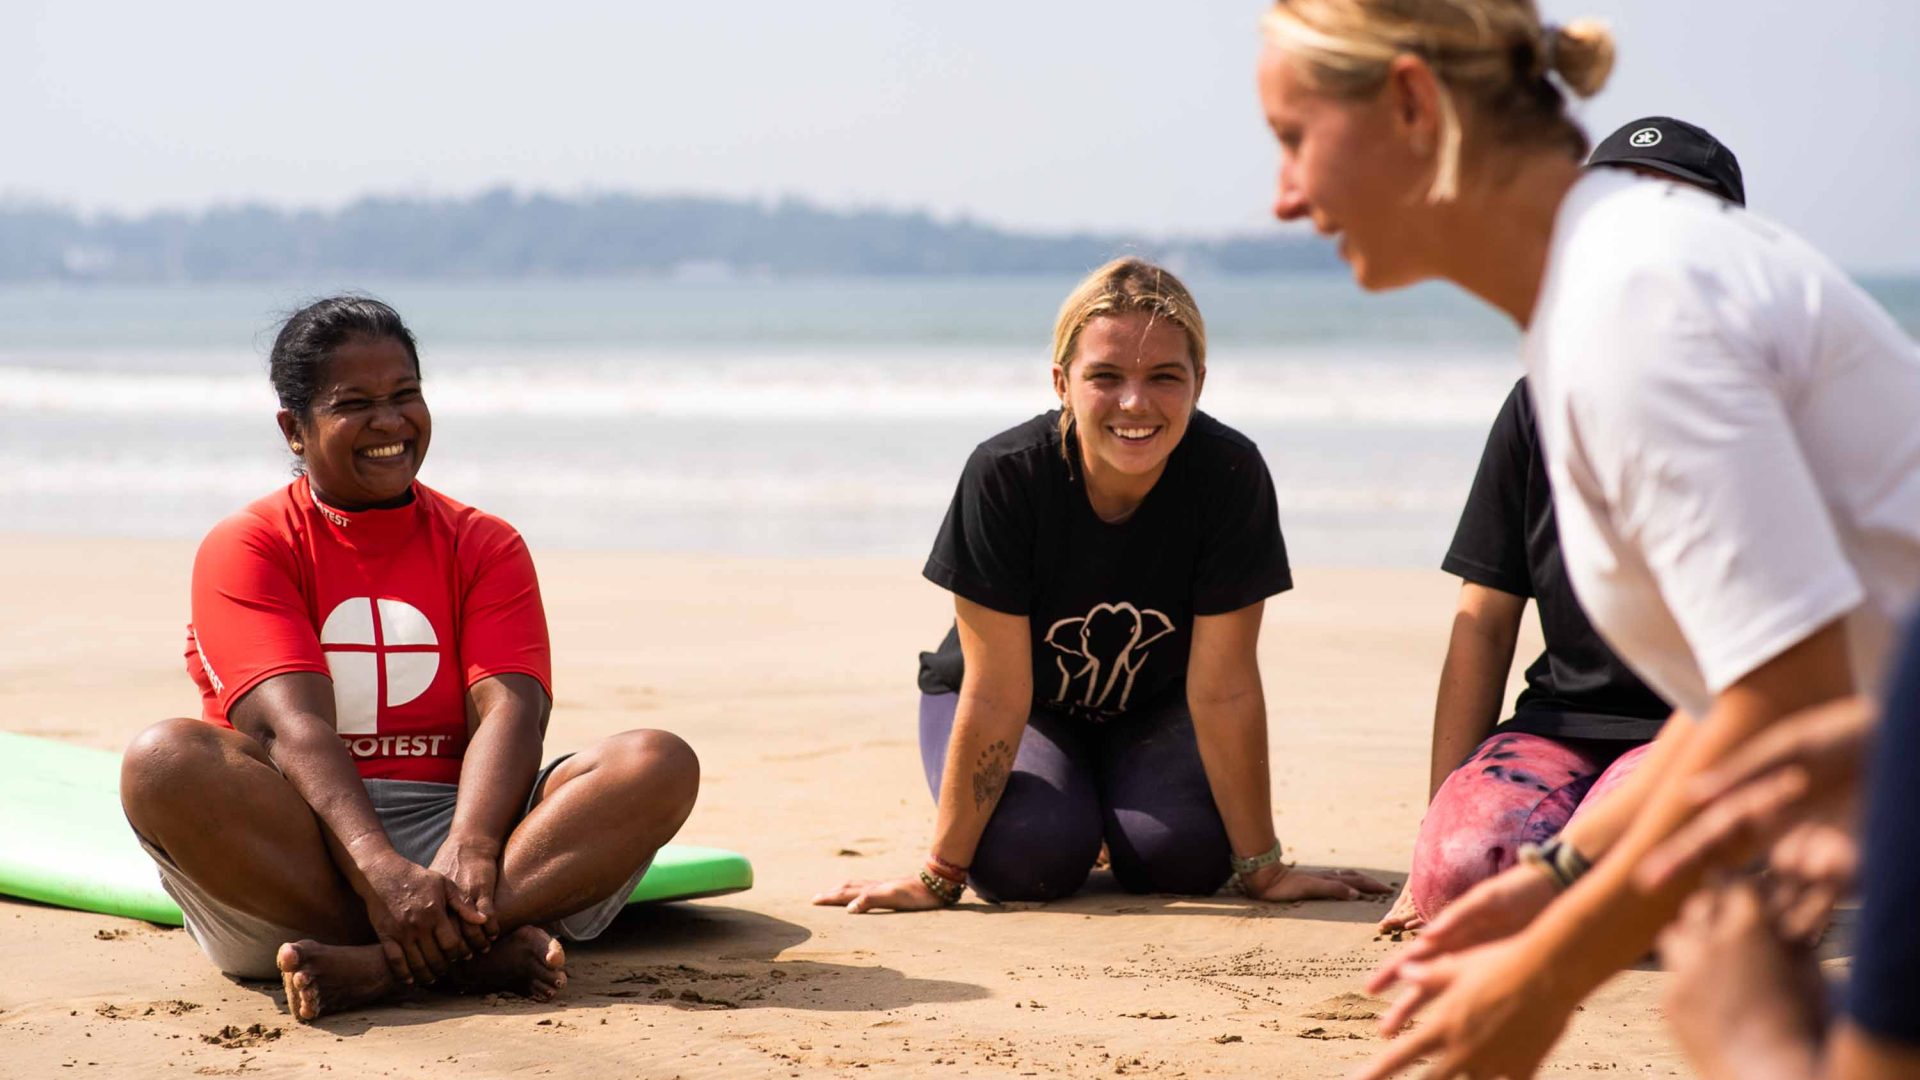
(794, 681)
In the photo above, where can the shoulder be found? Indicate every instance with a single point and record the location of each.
(1036, 436)
(1515, 421)
(268, 523)
(471, 528)
(1023, 451)
(1213, 444)
(1635, 252)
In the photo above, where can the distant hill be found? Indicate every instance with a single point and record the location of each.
(504, 234)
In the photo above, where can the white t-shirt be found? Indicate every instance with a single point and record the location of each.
(1732, 431)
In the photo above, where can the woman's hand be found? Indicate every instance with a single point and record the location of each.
(1494, 1013)
(1281, 882)
(472, 870)
(897, 894)
(409, 907)
(1496, 908)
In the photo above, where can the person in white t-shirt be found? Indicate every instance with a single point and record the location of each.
(1729, 427)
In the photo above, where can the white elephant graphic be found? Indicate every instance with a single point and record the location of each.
(1104, 649)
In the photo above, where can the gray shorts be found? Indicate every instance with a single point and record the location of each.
(417, 816)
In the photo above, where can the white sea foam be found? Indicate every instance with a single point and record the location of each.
(913, 383)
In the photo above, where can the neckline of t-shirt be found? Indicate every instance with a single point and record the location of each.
(1078, 479)
(363, 527)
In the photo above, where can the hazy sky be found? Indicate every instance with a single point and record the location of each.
(1124, 115)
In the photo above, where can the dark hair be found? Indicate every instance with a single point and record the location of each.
(306, 341)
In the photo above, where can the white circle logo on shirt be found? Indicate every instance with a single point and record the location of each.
(381, 653)
(1645, 137)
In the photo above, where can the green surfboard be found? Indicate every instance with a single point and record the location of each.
(65, 841)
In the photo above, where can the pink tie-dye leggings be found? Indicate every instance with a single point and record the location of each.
(1516, 789)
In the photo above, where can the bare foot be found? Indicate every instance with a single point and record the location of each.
(322, 979)
(529, 961)
(1403, 915)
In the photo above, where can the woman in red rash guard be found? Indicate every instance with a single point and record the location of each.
(362, 806)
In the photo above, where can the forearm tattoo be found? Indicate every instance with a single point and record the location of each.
(990, 775)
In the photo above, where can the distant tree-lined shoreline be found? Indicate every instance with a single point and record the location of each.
(505, 234)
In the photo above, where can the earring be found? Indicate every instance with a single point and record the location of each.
(295, 447)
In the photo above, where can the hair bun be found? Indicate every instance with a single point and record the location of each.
(1582, 53)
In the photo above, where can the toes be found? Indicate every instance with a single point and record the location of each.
(287, 959)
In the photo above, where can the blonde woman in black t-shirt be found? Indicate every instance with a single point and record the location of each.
(1109, 564)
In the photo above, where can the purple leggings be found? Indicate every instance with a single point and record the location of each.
(1135, 782)
(1515, 789)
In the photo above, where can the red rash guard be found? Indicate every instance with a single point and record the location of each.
(403, 609)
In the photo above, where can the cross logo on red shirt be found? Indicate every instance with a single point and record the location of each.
(381, 652)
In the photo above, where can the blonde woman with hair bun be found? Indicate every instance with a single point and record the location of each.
(1109, 564)
(1727, 422)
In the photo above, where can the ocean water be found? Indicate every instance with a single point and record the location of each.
(754, 417)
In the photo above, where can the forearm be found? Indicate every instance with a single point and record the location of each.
(1594, 832)
(496, 775)
(1232, 733)
(1608, 920)
(987, 726)
(308, 752)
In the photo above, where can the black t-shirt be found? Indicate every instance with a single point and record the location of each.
(1507, 540)
(1111, 606)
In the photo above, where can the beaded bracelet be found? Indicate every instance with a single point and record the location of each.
(945, 891)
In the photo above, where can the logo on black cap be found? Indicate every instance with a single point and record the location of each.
(1679, 149)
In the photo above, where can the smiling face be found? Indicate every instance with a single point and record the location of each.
(367, 431)
(1131, 386)
(1355, 169)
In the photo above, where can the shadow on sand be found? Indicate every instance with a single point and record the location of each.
(682, 956)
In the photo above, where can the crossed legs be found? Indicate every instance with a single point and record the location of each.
(209, 799)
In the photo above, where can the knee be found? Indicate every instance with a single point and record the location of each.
(656, 765)
(1449, 861)
(1034, 847)
(1194, 861)
(1026, 873)
(163, 759)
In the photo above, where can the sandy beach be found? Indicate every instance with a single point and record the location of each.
(794, 681)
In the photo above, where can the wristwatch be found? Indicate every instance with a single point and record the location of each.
(1267, 858)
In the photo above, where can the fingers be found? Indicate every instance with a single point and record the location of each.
(1366, 883)
(432, 953)
(1388, 973)
(473, 932)
(1407, 1004)
(1680, 943)
(1805, 918)
(1725, 833)
(490, 921)
(843, 893)
(397, 961)
(417, 966)
(1403, 1052)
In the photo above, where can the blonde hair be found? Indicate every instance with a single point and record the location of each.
(1121, 287)
(1493, 54)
